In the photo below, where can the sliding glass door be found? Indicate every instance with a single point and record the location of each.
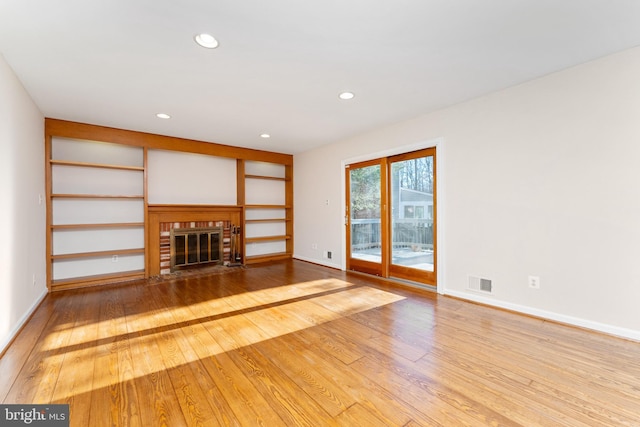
(391, 217)
(412, 195)
(364, 217)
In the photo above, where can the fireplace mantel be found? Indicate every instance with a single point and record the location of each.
(159, 214)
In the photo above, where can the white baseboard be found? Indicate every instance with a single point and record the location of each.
(324, 262)
(549, 315)
(16, 329)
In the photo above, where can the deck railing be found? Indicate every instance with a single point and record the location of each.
(414, 233)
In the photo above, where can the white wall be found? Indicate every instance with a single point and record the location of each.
(539, 179)
(22, 246)
(188, 178)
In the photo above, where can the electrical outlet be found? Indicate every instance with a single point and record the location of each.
(314, 246)
(329, 255)
(534, 282)
(114, 258)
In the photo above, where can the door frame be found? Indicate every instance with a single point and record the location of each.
(406, 273)
(439, 145)
(367, 266)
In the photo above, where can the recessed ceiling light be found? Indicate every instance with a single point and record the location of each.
(346, 95)
(163, 116)
(206, 40)
(265, 135)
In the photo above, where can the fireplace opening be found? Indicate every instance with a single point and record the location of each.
(195, 246)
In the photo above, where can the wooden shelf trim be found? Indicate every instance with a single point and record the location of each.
(99, 254)
(98, 279)
(96, 165)
(254, 259)
(95, 196)
(249, 221)
(265, 238)
(267, 206)
(273, 178)
(105, 225)
(67, 129)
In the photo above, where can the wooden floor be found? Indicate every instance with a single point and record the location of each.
(292, 343)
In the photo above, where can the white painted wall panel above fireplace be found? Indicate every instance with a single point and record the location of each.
(188, 178)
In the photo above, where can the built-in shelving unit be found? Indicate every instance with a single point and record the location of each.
(111, 192)
(266, 194)
(97, 212)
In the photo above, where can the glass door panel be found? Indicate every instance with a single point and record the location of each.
(365, 223)
(391, 216)
(412, 199)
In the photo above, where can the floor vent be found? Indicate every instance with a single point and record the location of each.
(480, 284)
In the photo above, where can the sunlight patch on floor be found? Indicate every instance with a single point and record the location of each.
(205, 329)
(214, 307)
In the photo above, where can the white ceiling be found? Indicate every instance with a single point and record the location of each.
(282, 63)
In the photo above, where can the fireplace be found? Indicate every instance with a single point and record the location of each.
(191, 218)
(196, 246)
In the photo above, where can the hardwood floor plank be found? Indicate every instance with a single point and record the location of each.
(190, 379)
(291, 343)
(75, 382)
(492, 390)
(197, 337)
(104, 404)
(248, 405)
(129, 411)
(442, 403)
(113, 393)
(38, 375)
(285, 398)
(355, 300)
(306, 375)
(543, 367)
(359, 415)
(385, 404)
(158, 401)
(13, 359)
(350, 330)
(334, 344)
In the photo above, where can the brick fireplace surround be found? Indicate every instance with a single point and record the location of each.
(165, 239)
(162, 218)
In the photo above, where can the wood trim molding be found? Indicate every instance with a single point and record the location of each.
(63, 128)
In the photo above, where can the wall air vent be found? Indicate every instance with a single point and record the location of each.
(480, 284)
